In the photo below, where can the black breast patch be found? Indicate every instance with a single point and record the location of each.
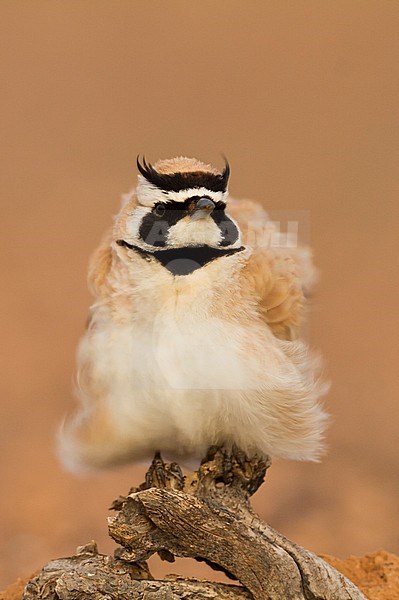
(183, 261)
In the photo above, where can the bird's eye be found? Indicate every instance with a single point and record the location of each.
(221, 205)
(160, 209)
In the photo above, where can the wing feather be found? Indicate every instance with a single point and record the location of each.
(280, 277)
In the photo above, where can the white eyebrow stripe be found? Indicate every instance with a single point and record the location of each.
(148, 194)
(182, 195)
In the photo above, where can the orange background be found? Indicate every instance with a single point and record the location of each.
(303, 99)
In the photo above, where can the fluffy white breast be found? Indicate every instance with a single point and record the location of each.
(183, 366)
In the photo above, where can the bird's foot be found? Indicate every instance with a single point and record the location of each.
(163, 475)
(230, 466)
(160, 475)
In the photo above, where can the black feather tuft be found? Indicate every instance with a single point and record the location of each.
(226, 172)
(183, 181)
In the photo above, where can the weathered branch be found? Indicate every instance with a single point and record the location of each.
(99, 577)
(207, 517)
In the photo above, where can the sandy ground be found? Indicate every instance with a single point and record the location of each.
(303, 100)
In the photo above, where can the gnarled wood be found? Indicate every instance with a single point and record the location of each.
(89, 574)
(207, 517)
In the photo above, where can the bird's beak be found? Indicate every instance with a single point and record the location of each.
(203, 207)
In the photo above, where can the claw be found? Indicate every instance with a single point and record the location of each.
(232, 467)
(163, 475)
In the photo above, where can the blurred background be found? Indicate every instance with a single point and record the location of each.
(303, 99)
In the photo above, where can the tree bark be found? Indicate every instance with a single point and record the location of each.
(207, 517)
(89, 574)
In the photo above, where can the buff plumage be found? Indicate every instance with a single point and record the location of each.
(177, 362)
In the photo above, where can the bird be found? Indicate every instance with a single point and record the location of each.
(194, 336)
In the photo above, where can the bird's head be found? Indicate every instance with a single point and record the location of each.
(180, 211)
